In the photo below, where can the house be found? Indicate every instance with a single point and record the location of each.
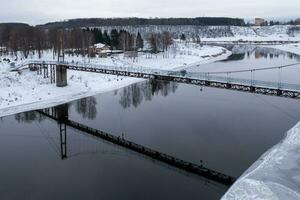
(297, 21)
(100, 49)
(259, 21)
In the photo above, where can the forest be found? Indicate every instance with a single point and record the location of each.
(94, 22)
(79, 41)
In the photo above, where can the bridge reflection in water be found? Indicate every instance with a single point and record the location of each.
(60, 114)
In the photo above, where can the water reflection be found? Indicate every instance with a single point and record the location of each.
(246, 57)
(135, 94)
(238, 56)
(29, 117)
(87, 107)
(239, 52)
(60, 114)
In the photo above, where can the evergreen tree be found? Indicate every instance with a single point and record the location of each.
(182, 37)
(114, 35)
(139, 41)
(106, 39)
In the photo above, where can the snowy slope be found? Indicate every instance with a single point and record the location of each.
(220, 33)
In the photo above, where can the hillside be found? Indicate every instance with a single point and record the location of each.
(220, 33)
(92, 22)
(12, 25)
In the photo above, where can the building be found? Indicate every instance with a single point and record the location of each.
(100, 49)
(259, 21)
(297, 21)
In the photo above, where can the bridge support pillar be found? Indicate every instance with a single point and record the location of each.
(61, 76)
(279, 92)
(63, 140)
(62, 113)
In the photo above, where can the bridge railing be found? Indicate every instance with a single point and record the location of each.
(201, 76)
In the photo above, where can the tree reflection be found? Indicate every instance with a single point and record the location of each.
(239, 52)
(29, 117)
(87, 107)
(235, 57)
(135, 94)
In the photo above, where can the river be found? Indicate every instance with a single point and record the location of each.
(223, 130)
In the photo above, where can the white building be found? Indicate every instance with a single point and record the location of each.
(259, 21)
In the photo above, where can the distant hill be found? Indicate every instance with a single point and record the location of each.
(13, 25)
(94, 22)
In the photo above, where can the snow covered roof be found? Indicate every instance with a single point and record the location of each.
(99, 45)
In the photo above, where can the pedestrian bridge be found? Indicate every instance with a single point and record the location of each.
(57, 71)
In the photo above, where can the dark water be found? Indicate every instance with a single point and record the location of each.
(225, 130)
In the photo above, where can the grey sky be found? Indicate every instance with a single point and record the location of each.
(41, 11)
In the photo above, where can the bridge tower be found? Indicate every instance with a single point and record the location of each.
(61, 70)
(62, 114)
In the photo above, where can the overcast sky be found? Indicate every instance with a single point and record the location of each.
(42, 11)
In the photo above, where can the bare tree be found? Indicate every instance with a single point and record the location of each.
(166, 41)
(155, 42)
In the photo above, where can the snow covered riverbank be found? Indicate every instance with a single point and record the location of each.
(276, 175)
(29, 91)
(292, 48)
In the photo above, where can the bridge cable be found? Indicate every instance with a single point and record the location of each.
(47, 137)
(276, 107)
(255, 69)
(120, 118)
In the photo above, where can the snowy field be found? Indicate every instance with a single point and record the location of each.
(28, 91)
(276, 175)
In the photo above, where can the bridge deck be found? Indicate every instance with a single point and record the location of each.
(205, 79)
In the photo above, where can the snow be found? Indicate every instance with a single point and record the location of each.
(261, 33)
(276, 175)
(29, 91)
(99, 45)
(292, 48)
(220, 33)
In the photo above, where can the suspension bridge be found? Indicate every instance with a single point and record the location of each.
(57, 72)
(60, 115)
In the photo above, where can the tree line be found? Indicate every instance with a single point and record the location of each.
(94, 22)
(28, 39)
(35, 40)
(118, 40)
